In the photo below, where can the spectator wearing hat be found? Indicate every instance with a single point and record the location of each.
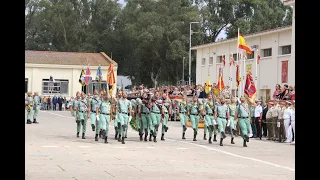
(257, 118)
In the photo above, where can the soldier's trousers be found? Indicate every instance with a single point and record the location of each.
(144, 123)
(116, 121)
(253, 126)
(155, 122)
(139, 123)
(164, 123)
(35, 112)
(208, 124)
(94, 122)
(270, 128)
(183, 120)
(275, 128)
(104, 122)
(195, 121)
(29, 113)
(232, 126)
(74, 114)
(244, 124)
(123, 118)
(222, 122)
(83, 116)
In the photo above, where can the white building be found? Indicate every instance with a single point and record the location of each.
(277, 65)
(65, 68)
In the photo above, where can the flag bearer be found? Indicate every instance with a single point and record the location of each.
(243, 114)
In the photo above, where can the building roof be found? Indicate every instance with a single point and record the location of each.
(67, 58)
(269, 31)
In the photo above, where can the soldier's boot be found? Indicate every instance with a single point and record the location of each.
(28, 121)
(210, 142)
(245, 143)
(35, 121)
(93, 127)
(100, 134)
(83, 136)
(122, 140)
(221, 140)
(162, 137)
(141, 138)
(215, 138)
(103, 134)
(151, 133)
(119, 138)
(146, 137)
(165, 128)
(96, 137)
(154, 138)
(246, 137)
(223, 135)
(78, 134)
(106, 140)
(184, 128)
(194, 135)
(183, 136)
(116, 130)
(232, 142)
(204, 137)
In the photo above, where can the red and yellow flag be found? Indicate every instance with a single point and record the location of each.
(250, 91)
(238, 79)
(220, 85)
(243, 45)
(223, 61)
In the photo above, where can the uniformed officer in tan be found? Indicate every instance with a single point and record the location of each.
(275, 115)
(270, 121)
(280, 119)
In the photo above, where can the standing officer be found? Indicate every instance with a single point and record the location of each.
(166, 113)
(209, 109)
(194, 110)
(269, 121)
(275, 115)
(221, 114)
(29, 107)
(230, 122)
(105, 112)
(36, 107)
(181, 111)
(242, 113)
(144, 115)
(124, 107)
(94, 107)
(155, 116)
(75, 104)
(281, 120)
(82, 112)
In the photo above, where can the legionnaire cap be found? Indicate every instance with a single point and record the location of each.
(288, 102)
(283, 102)
(271, 103)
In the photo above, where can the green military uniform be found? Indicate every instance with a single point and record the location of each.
(30, 104)
(36, 108)
(105, 112)
(155, 116)
(183, 117)
(244, 121)
(145, 119)
(117, 124)
(124, 107)
(194, 109)
(222, 111)
(95, 124)
(209, 108)
(165, 118)
(75, 104)
(83, 115)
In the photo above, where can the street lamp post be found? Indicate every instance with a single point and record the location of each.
(191, 32)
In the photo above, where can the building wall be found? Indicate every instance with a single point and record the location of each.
(35, 74)
(269, 70)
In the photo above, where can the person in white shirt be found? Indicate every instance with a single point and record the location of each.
(257, 118)
(293, 120)
(286, 120)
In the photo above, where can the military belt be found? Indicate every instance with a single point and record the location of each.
(82, 111)
(144, 113)
(155, 112)
(195, 114)
(222, 117)
(243, 117)
(93, 111)
(106, 113)
(124, 113)
(210, 114)
(166, 112)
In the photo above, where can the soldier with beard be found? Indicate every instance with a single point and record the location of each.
(94, 103)
(221, 114)
(166, 113)
(155, 116)
(194, 110)
(182, 113)
(209, 109)
(242, 113)
(105, 112)
(82, 113)
(144, 115)
(124, 107)
(115, 116)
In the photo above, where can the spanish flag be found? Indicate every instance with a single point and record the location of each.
(250, 91)
(243, 45)
(208, 86)
(238, 79)
(220, 84)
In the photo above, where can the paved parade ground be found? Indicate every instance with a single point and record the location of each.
(53, 152)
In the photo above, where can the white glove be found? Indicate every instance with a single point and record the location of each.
(228, 124)
(130, 117)
(98, 118)
(214, 122)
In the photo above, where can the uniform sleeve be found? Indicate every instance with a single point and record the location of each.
(216, 109)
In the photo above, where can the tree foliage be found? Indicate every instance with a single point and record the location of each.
(148, 38)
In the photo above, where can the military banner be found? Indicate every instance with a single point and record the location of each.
(250, 91)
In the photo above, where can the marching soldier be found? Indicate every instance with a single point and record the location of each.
(94, 102)
(221, 114)
(194, 110)
(29, 107)
(144, 115)
(124, 107)
(82, 113)
(105, 114)
(209, 110)
(75, 104)
(270, 121)
(155, 116)
(36, 107)
(230, 122)
(243, 114)
(182, 113)
(115, 117)
(137, 115)
(166, 113)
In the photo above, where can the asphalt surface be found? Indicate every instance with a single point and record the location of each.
(53, 152)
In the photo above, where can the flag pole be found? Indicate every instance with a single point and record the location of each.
(230, 73)
(239, 87)
(256, 79)
(244, 71)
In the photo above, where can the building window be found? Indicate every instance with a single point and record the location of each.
(250, 56)
(26, 85)
(235, 57)
(266, 52)
(219, 59)
(203, 61)
(285, 50)
(59, 86)
(210, 60)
